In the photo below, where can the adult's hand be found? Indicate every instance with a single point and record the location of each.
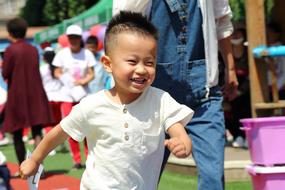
(230, 87)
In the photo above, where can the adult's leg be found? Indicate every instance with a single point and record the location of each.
(207, 133)
(37, 134)
(19, 145)
(66, 108)
(241, 112)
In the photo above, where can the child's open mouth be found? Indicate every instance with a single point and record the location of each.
(138, 80)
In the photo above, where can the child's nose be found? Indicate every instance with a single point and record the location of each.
(141, 68)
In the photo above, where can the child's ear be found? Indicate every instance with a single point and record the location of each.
(106, 63)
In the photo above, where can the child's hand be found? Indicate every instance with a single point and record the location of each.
(177, 147)
(28, 167)
(79, 82)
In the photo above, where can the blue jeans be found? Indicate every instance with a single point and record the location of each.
(207, 133)
(206, 129)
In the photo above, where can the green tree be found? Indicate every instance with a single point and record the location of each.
(238, 8)
(56, 11)
(49, 12)
(32, 12)
(268, 8)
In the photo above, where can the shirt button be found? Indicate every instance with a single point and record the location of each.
(127, 137)
(125, 110)
(126, 125)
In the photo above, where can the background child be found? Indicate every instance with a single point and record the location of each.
(52, 87)
(74, 68)
(124, 126)
(101, 79)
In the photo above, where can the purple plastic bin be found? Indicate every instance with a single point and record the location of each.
(267, 178)
(266, 139)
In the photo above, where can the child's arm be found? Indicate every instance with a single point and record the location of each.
(57, 72)
(51, 140)
(179, 143)
(89, 76)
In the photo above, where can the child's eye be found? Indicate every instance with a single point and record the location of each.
(149, 63)
(131, 61)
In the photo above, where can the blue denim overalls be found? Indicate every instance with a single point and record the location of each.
(181, 71)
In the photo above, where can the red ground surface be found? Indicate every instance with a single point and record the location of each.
(50, 182)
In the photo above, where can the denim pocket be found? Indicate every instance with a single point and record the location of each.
(196, 79)
(196, 74)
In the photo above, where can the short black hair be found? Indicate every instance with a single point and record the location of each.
(48, 56)
(17, 27)
(92, 40)
(127, 21)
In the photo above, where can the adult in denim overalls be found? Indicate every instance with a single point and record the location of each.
(181, 71)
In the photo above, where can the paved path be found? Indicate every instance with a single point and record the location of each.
(50, 182)
(236, 159)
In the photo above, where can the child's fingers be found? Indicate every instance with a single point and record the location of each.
(23, 176)
(181, 154)
(27, 168)
(172, 143)
(166, 142)
(179, 148)
(169, 145)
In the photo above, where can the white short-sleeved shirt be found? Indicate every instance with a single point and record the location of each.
(74, 67)
(125, 142)
(51, 85)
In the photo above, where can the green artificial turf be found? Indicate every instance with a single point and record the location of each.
(62, 163)
(173, 181)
